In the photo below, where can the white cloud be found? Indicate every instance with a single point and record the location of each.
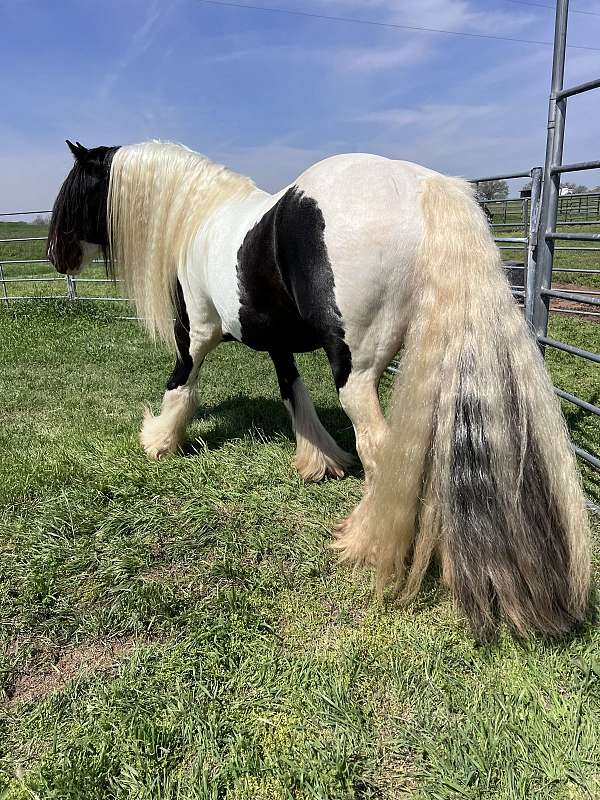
(457, 15)
(141, 40)
(448, 117)
(344, 59)
(377, 58)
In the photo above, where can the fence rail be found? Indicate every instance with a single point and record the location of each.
(70, 283)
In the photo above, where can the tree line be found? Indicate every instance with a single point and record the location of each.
(498, 190)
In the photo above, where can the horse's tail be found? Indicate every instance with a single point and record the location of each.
(478, 467)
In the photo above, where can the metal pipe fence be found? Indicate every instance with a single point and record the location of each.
(538, 307)
(539, 216)
(14, 272)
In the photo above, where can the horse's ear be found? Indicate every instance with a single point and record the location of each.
(79, 151)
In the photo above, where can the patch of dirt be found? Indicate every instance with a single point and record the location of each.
(570, 305)
(54, 670)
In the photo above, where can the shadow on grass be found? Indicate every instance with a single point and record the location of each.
(235, 417)
(434, 592)
(578, 422)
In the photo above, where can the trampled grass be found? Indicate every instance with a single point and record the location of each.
(181, 630)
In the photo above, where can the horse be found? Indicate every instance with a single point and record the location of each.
(360, 256)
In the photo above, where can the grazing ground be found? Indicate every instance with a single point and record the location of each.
(181, 630)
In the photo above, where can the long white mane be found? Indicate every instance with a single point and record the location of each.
(159, 195)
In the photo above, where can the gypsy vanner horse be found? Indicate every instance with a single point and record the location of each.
(360, 256)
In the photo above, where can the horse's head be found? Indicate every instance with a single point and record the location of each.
(79, 228)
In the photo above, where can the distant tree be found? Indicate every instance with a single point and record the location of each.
(41, 219)
(492, 190)
(577, 188)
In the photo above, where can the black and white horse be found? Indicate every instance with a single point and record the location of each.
(360, 256)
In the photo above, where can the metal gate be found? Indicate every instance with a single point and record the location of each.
(539, 282)
(539, 220)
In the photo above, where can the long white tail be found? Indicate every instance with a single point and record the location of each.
(478, 468)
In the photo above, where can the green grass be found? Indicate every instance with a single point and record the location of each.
(227, 655)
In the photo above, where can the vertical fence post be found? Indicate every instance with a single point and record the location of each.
(532, 240)
(3, 285)
(551, 186)
(71, 288)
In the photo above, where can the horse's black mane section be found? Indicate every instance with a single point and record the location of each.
(79, 212)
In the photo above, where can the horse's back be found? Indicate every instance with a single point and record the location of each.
(368, 203)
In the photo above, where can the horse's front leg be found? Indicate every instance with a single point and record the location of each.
(317, 454)
(163, 434)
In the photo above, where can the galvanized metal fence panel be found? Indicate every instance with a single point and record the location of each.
(539, 305)
(548, 211)
(10, 282)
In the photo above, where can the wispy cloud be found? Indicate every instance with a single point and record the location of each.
(271, 94)
(457, 15)
(429, 117)
(344, 59)
(141, 41)
(377, 58)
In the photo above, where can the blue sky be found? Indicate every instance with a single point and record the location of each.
(269, 94)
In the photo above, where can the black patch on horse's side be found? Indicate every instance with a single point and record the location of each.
(79, 212)
(185, 362)
(286, 285)
(287, 374)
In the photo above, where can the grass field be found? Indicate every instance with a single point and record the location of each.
(181, 630)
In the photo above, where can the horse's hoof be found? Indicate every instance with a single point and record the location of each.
(349, 541)
(157, 453)
(156, 442)
(318, 466)
(314, 474)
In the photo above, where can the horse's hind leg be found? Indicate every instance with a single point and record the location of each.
(164, 433)
(360, 400)
(317, 454)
